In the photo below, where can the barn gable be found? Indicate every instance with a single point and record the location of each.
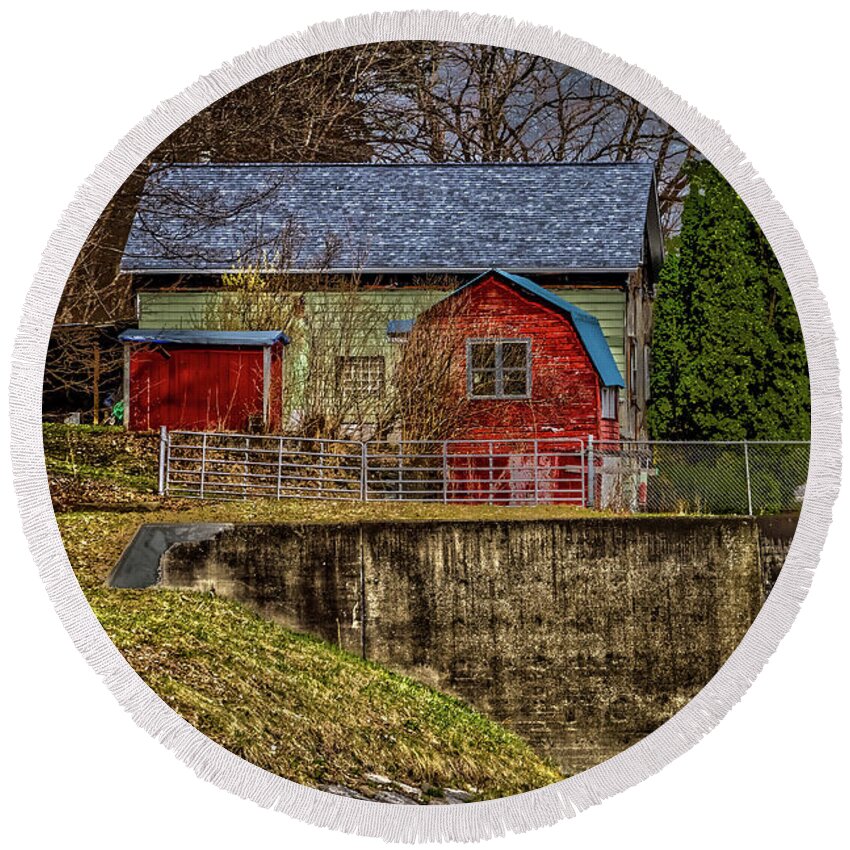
(547, 386)
(587, 327)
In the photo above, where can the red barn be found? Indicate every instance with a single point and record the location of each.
(538, 379)
(203, 380)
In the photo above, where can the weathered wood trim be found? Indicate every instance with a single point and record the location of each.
(267, 382)
(126, 387)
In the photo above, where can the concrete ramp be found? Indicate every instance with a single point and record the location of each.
(138, 565)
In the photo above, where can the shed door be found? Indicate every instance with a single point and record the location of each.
(195, 388)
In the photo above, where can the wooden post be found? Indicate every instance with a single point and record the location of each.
(96, 383)
(267, 385)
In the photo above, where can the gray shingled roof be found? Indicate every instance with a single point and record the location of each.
(213, 217)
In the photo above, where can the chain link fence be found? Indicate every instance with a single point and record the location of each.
(747, 477)
(744, 478)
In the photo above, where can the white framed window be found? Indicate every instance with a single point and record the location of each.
(609, 402)
(361, 377)
(498, 368)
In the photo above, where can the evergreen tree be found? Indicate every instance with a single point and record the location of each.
(728, 354)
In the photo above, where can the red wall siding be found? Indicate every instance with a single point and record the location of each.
(565, 391)
(202, 388)
(609, 429)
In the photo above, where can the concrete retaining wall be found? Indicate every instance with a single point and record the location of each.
(775, 536)
(581, 635)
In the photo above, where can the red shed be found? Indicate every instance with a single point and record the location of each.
(537, 379)
(203, 380)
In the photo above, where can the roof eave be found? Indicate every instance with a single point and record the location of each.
(395, 270)
(654, 232)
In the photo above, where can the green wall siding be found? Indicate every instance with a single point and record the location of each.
(332, 310)
(609, 307)
(358, 319)
(187, 310)
(199, 309)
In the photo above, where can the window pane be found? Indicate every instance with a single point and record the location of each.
(483, 355)
(514, 355)
(360, 377)
(484, 382)
(514, 383)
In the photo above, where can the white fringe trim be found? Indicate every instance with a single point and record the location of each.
(473, 821)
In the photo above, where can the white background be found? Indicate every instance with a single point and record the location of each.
(77, 76)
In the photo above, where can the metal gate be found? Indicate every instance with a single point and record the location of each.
(502, 472)
(202, 465)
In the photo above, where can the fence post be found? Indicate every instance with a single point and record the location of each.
(749, 485)
(445, 471)
(163, 446)
(364, 467)
(321, 469)
(203, 463)
(536, 473)
(581, 475)
(490, 489)
(400, 472)
(279, 464)
(591, 474)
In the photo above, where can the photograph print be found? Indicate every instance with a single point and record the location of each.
(426, 422)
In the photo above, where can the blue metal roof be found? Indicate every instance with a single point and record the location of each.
(191, 337)
(462, 217)
(586, 325)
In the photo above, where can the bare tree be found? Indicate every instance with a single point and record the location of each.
(390, 102)
(425, 402)
(310, 111)
(476, 103)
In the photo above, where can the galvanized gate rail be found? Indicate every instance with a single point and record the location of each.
(737, 477)
(506, 471)
(196, 464)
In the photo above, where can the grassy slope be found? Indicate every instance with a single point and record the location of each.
(90, 464)
(294, 705)
(287, 702)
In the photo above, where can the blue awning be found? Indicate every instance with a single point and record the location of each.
(399, 327)
(192, 337)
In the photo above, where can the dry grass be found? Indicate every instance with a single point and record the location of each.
(289, 703)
